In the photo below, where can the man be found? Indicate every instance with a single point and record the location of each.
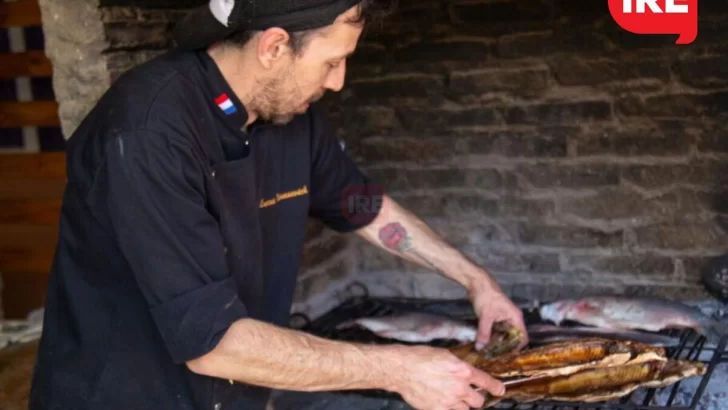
(189, 187)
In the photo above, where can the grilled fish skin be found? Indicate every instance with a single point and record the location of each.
(564, 358)
(632, 313)
(601, 384)
(544, 334)
(415, 327)
(504, 338)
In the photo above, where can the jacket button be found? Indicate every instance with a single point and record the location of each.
(218, 406)
(225, 249)
(213, 174)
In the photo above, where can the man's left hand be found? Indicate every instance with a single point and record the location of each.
(491, 305)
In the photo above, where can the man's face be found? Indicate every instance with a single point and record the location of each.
(302, 78)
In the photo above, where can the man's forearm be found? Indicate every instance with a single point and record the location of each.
(261, 354)
(401, 233)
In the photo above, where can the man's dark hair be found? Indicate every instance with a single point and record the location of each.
(369, 12)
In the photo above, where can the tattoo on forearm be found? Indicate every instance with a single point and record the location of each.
(395, 237)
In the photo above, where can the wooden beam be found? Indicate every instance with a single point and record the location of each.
(30, 211)
(33, 166)
(20, 13)
(25, 260)
(32, 63)
(24, 292)
(31, 113)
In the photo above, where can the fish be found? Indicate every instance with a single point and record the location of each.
(564, 358)
(415, 327)
(600, 384)
(632, 313)
(544, 334)
(504, 338)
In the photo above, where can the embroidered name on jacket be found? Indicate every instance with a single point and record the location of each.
(265, 203)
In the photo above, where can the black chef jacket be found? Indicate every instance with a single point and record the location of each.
(176, 222)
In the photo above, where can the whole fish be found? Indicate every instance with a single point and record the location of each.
(600, 384)
(632, 313)
(415, 327)
(568, 357)
(543, 333)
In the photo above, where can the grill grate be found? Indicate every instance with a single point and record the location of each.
(692, 347)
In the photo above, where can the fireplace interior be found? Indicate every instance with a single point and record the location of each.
(562, 153)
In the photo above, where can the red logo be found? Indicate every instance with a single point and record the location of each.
(360, 201)
(658, 17)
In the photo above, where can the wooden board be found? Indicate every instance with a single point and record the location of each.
(31, 191)
(20, 13)
(27, 64)
(47, 165)
(31, 113)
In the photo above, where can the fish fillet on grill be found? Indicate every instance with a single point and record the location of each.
(564, 358)
(600, 384)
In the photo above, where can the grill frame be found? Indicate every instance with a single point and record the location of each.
(692, 346)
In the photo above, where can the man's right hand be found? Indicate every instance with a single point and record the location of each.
(434, 379)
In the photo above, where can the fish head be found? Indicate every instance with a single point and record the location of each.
(556, 311)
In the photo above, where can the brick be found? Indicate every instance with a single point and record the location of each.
(661, 176)
(499, 261)
(676, 105)
(545, 43)
(499, 11)
(409, 87)
(525, 82)
(437, 119)
(681, 237)
(622, 39)
(409, 149)
(714, 140)
(141, 35)
(558, 113)
(436, 52)
(322, 251)
(676, 291)
(365, 121)
(633, 140)
(693, 266)
(526, 209)
(542, 142)
(579, 13)
(461, 233)
(627, 207)
(632, 264)
(567, 236)
(573, 70)
(703, 72)
(548, 176)
(397, 179)
(448, 206)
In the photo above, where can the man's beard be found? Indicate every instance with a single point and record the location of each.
(274, 101)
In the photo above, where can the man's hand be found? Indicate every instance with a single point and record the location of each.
(491, 305)
(434, 379)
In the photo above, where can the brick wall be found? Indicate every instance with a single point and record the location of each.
(542, 140)
(549, 145)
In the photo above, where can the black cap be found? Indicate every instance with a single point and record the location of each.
(221, 18)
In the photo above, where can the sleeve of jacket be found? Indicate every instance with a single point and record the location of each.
(155, 190)
(341, 195)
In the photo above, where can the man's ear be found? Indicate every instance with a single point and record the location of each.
(272, 46)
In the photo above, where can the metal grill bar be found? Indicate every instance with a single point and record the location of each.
(692, 347)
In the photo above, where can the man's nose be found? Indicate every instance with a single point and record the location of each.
(335, 79)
